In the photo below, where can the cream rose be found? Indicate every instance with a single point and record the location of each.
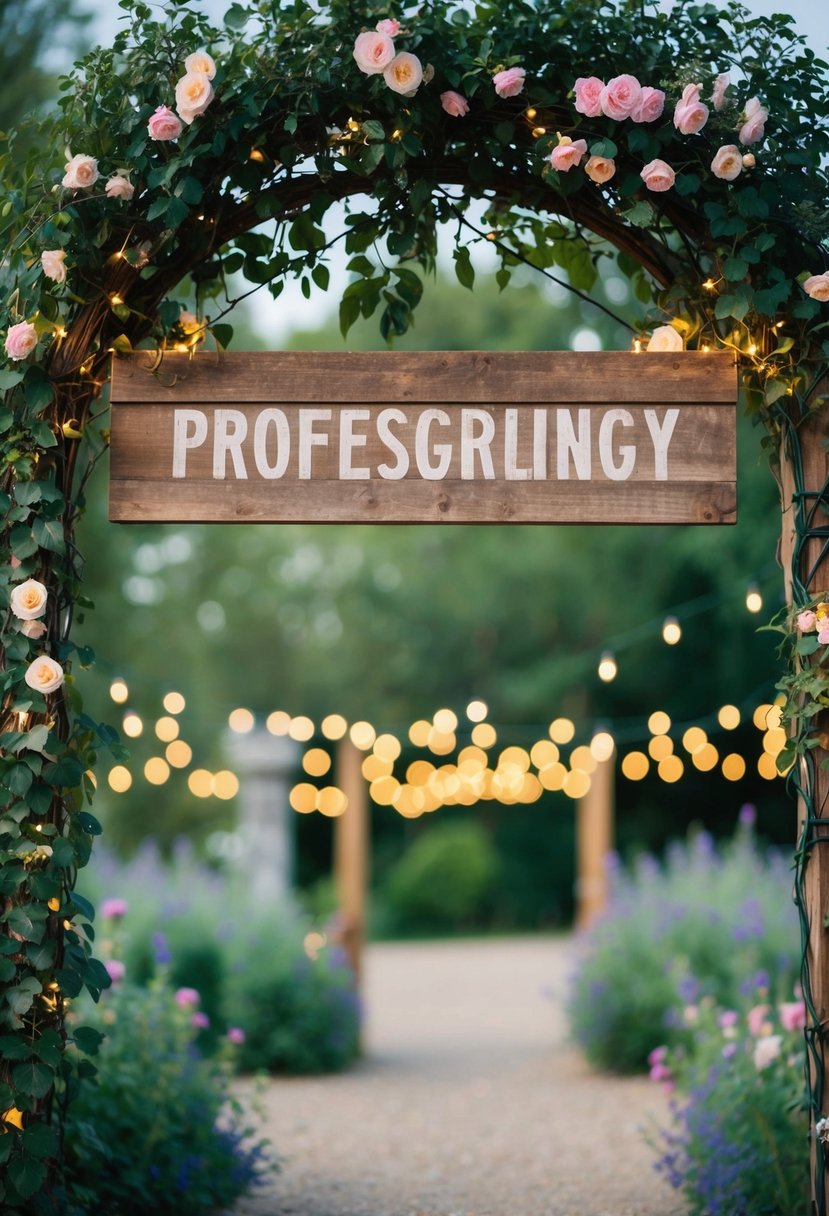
(200, 61)
(28, 600)
(44, 674)
(665, 338)
(658, 175)
(404, 74)
(600, 169)
(817, 286)
(373, 52)
(194, 93)
(21, 340)
(728, 163)
(53, 263)
(32, 629)
(119, 186)
(81, 172)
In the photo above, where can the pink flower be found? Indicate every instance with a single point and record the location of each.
(816, 286)
(164, 124)
(21, 340)
(657, 175)
(588, 91)
(373, 52)
(651, 105)
(728, 163)
(568, 153)
(390, 27)
(793, 1015)
(600, 169)
(657, 1056)
(454, 104)
(690, 115)
(81, 172)
(114, 909)
(28, 600)
(755, 118)
(665, 338)
(728, 1019)
(32, 629)
(115, 970)
(199, 1020)
(806, 621)
(660, 1072)
(823, 631)
(236, 1035)
(620, 97)
(187, 998)
(718, 97)
(757, 1020)
(119, 186)
(749, 160)
(510, 82)
(44, 675)
(766, 1050)
(404, 74)
(53, 262)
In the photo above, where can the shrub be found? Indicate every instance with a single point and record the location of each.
(443, 880)
(155, 1131)
(698, 924)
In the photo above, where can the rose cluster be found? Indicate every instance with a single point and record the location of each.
(375, 55)
(194, 93)
(816, 619)
(28, 604)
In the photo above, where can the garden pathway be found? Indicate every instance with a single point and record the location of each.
(469, 1102)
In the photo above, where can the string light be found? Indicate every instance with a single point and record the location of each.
(671, 631)
(241, 721)
(118, 691)
(709, 285)
(754, 600)
(607, 669)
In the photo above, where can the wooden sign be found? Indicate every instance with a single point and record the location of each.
(445, 437)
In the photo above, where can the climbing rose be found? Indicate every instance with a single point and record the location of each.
(21, 340)
(32, 629)
(567, 154)
(816, 286)
(373, 52)
(588, 91)
(657, 175)
(510, 82)
(718, 97)
(119, 186)
(620, 97)
(52, 261)
(823, 631)
(28, 600)
(81, 172)
(806, 621)
(650, 107)
(200, 61)
(164, 124)
(755, 117)
(194, 93)
(389, 26)
(600, 169)
(44, 674)
(665, 337)
(404, 74)
(749, 160)
(690, 115)
(728, 163)
(454, 104)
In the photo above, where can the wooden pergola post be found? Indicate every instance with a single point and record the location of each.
(351, 854)
(594, 840)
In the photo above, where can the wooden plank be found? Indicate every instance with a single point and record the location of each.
(468, 376)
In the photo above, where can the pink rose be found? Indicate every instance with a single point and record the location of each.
(113, 909)
(620, 97)
(32, 629)
(53, 263)
(690, 115)
(236, 1035)
(665, 338)
(755, 118)
(28, 600)
(199, 1020)
(404, 74)
(793, 1015)
(21, 340)
(119, 186)
(194, 93)
(650, 107)
(510, 82)
(390, 27)
(718, 96)
(115, 970)
(567, 154)
(806, 621)
(757, 1020)
(200, 61)
(187, 998)
(657, 175)
(454, 104)
(44, 675)
(728, 163)
(749, 160)
(588, 91)
(600, 169)
(816, 286)
(81, 173)
(766, 1050)
(823, 631)
(373, 52)
(164, 124)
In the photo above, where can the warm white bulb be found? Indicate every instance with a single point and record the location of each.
(671, 630)
(607, 667)
(754, 600)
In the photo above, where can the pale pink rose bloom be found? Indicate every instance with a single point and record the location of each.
(53, 263)
(806, 621)
(114, 909)
(119, 186)
(749, 160)
(658, 175)
(404, 74)
(389, 26)
(200, 61)
(755, 118)
(454, 104)
(600, 169)
(766, 1050)
(14, 562)
(756, 1020)
(373, 52)
(428, 73)
(650, 107)
(115, 970)
(44, 674)
(28, 600)
(718, 96)
(793, 1015)
(21, 340)
(568, 153)
(236, 1035)
(823, 631)
(728, 163)
(32, 629)
(199, 1020)
(816, 286)
(187, 998)
(665, 338)
(164, 124)
(588, 90)
(510, 82)
(81, 172)
(690, 115)
(194, 93)
(620, 97)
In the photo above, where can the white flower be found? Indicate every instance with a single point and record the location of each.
(767, 1049)
(53, 262)
(81, 172)
(44, 674)
(665, 337)
(28, 600)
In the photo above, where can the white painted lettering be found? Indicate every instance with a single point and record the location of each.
(661, 434)
(570, 445)
(309, 438)
(348, 442)
(392, 472)
(230, 428)
(266, 419)
(539, 445)
(511, 470)
(472, 443)
(443, 451)
(184, 439)
(627, 452)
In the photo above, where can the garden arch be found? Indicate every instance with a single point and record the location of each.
(182, 140)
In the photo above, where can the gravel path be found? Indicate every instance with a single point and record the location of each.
(469, 1102)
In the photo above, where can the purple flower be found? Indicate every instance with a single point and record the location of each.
(236, 1035)
(200, 1020)
(161, 950)
(114, 909)
(748, 815)
(728, 1019)
(187, 998)
(115, 970)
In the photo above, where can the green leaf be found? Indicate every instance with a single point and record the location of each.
(177, 212)
(27, 920)
(236, 17)
(774, 390)
(40, 1140)
(604, 147)
(26, 1175)
(190, 190)
(349, 312)
(223, 335)
(49, 535)
(36, 739)
(22, 997)
(89, 824)
(372, 129)
(641, 214)
(14, 1048)
(65, 772)
(464, 269)
(8, 971)
(157, 207)
(735, 269)
(27, 493)
(88, 1039)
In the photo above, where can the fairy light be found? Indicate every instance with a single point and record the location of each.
(118, 691)
(115, 298)
(709, 285)
(531, 113)
(607, 669)
(258, 155)
(637, 346)
(754, 600)
(671, 631)
(537, 132)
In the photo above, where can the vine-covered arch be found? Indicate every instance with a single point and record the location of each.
(685, 144)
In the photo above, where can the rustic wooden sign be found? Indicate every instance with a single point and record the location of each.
(444, 437)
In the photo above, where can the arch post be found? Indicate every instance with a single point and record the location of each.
(351, 855)
(594, 840)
